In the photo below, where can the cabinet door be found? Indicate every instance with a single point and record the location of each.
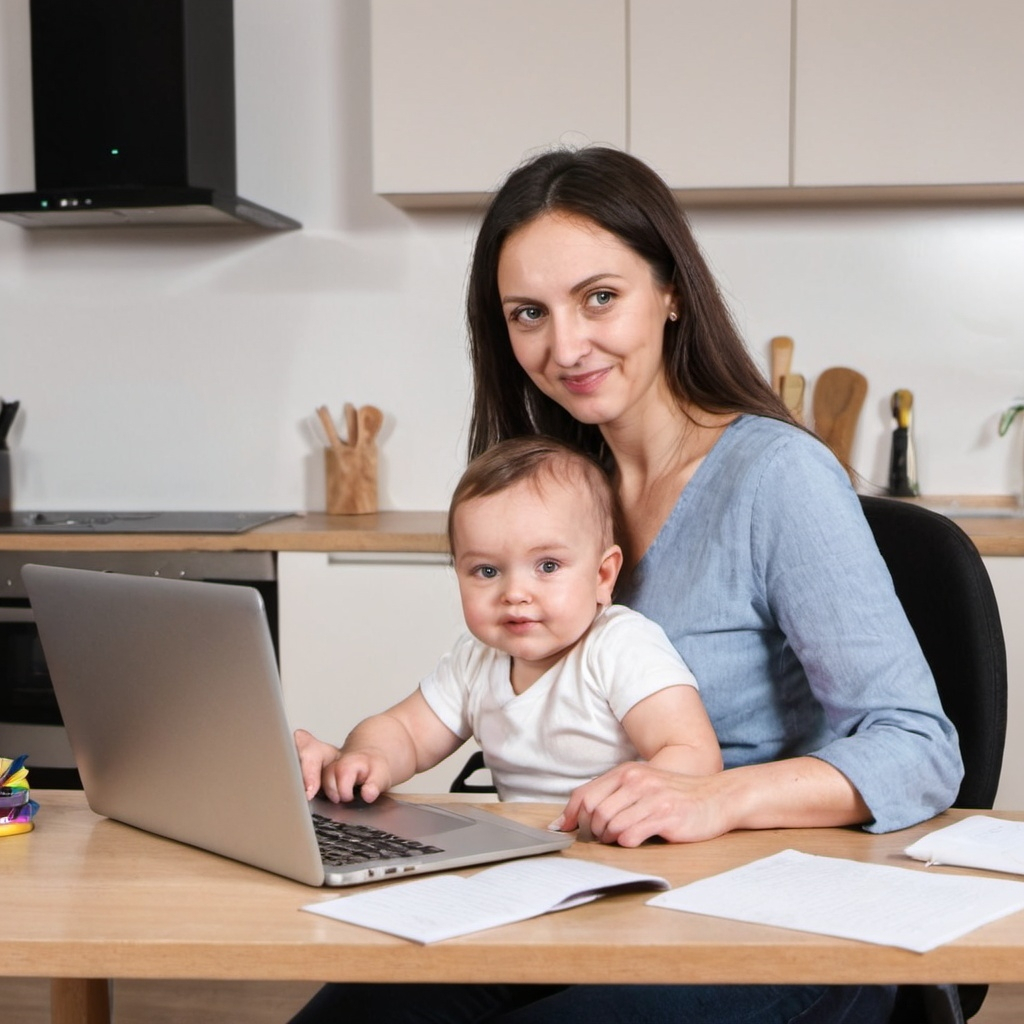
(357, 635)
(920, 92)
(1007, 576)
(464, 90)
(709, 91)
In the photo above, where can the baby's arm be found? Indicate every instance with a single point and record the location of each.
(671, 730)
(379, 753)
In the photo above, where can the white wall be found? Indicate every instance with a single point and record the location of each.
(179, 368)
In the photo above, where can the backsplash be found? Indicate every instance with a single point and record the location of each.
(178, 369)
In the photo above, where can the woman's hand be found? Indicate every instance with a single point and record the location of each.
(634, 802)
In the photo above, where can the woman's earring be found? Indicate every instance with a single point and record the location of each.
(673, 316)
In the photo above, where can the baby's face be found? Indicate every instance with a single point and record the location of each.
(533, 569)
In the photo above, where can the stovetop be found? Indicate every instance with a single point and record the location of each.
(135, 522)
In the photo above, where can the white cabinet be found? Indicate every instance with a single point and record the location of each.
(357, 633)
(1007, 575)
(464, 90)
(762, 98)
(920, 92)
(709, 91)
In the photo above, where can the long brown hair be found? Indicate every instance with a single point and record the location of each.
(706, 361)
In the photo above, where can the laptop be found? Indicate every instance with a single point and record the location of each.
(171, 697)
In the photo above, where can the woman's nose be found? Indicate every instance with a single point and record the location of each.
(569, 341)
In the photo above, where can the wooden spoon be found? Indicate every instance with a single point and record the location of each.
(838, 397)
(793, 394)
(370, 421)
(781, 349)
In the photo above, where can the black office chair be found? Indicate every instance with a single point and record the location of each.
(944, 588)
(462, 783)
(945, 591)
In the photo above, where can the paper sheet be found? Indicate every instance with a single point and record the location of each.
(443, 906)
(892, 906)
(978, 841)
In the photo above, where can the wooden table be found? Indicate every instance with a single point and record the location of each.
(87, 899)
(389, 530)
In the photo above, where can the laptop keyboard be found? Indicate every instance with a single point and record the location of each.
(344, 843)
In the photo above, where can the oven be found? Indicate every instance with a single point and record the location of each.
(30, 721)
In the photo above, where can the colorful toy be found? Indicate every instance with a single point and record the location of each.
(17, 808)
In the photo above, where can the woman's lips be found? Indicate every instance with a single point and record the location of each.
(585, 383)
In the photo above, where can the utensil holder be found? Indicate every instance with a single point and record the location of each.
(350, 474)
(5, 481)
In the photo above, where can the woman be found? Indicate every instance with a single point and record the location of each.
(593, 317)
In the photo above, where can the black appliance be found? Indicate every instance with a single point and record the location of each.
(30, 720)
(133, 112)
(134, 522)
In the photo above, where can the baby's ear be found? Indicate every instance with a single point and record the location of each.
(608, 573)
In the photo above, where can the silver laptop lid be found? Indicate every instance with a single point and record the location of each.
(177, 728)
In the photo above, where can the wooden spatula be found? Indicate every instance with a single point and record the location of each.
(838, 398)
(781, 350)
(793, 394)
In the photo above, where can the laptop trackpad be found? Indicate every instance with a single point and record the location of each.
(398, 817)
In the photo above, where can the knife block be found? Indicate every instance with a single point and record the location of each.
(5, 481)
(350, 473)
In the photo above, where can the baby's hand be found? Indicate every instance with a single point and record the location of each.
(361, 774)
(314, 757)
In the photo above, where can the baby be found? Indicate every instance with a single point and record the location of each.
(556, 684)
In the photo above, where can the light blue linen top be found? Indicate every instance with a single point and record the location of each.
(767, 580)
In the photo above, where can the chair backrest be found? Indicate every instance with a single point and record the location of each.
(945, 590)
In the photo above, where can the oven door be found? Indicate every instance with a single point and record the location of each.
(30, 719)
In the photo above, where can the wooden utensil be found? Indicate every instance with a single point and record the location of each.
(351, 422)
(369, 420)
(838, 398)
(350, 467)
(781, 354)
(793, 394)
(329, 428)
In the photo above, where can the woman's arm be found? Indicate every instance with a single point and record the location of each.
(634, 802)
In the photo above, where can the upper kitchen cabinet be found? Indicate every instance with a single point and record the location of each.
(915, 93)
(710, 91)
(729, 100)
(464, 90)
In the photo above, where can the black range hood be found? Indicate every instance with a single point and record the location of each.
(133, 113)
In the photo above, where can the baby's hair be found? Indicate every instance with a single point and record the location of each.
(532, 457)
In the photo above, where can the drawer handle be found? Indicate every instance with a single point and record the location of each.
(389, 558)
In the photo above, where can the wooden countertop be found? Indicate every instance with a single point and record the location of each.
(999, 534)
(314, 531)
(994, 536)
(422, 531)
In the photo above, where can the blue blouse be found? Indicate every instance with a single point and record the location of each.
(767, 580)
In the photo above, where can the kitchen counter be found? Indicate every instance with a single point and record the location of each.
(993, 522)
(1000, 536)
(315, 531)
(385, 531)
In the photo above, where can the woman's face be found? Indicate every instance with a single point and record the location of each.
(586, 318)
